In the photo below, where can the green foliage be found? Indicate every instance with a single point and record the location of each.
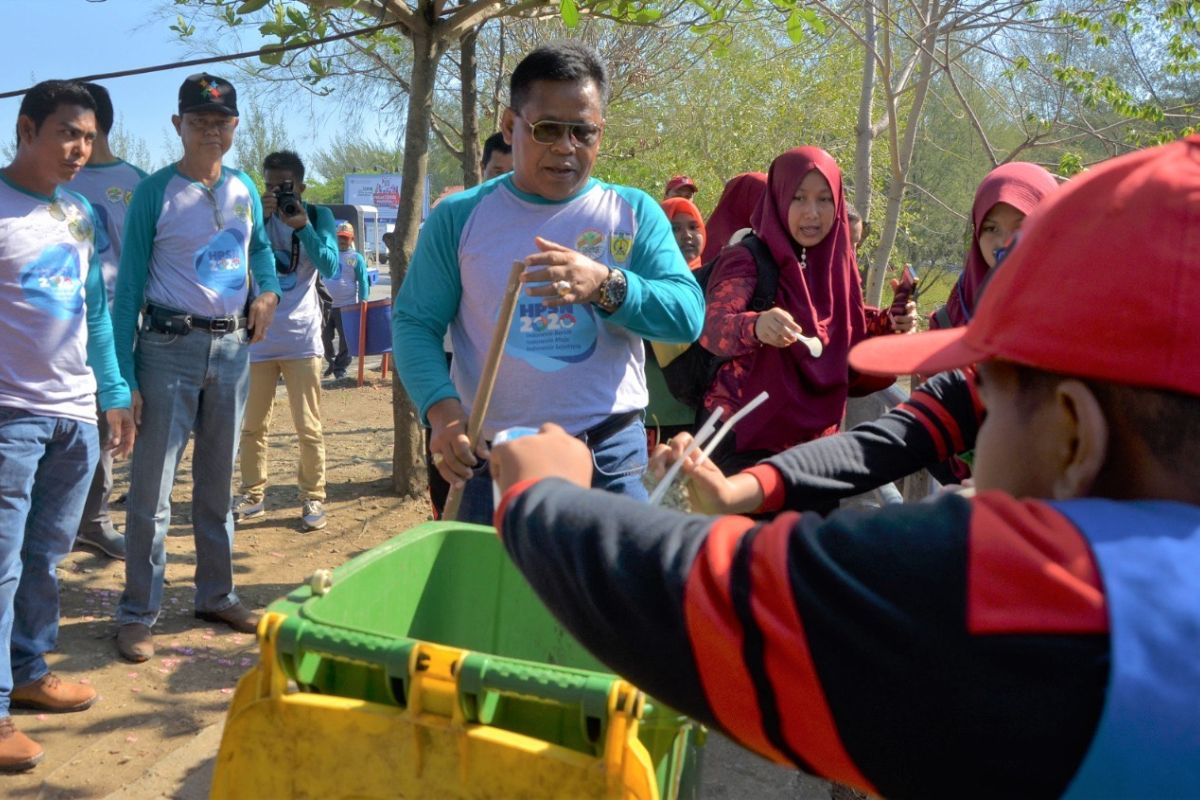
(182, 27)
(733, 109)
(1152, 82)
(570, 12)
(1070, 164)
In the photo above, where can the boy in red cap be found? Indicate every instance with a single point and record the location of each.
(1037, 639)
(680, 186)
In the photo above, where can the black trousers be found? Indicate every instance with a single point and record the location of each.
(339, 359)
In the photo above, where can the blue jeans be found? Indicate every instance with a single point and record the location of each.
(618, 463)
(46, 466)
(191, 383)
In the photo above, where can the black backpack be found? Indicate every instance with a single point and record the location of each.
(689, 376)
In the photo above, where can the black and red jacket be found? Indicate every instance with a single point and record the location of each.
(951, 648)
(940, 420)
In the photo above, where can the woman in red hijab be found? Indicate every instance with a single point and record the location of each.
(732, 212)
(1006, 195)
(687, 224)
(802, 220)
(666, 415)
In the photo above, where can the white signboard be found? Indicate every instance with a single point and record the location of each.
(382, 191)
(379, 190)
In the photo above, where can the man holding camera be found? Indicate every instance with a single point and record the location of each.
(193, 235)
(302, 238)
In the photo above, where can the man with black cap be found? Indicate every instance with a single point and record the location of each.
(194, 235)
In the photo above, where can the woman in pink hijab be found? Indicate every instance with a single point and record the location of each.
(732, 212)
(1003, 199)
(802, 220)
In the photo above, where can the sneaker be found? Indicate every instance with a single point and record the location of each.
(17, 751)
(246, 507)
(135, 642)
(237, 616)
(52, 693)
(313, 516)
(107, 539)
(338, 374)
(328, 371)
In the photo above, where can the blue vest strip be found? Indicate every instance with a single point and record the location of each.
(1147, 744)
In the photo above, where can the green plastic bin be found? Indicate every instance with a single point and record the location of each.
(453, 584)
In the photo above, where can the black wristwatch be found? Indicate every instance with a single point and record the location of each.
(612, 291)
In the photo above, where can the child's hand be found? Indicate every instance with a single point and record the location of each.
(550, 453)
(905, 321)
(710, 491)
(903, 311)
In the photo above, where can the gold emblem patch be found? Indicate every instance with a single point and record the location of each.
(621, 245)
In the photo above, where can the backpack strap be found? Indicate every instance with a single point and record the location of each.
(768, 273)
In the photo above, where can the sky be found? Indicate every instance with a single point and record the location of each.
(74, 38)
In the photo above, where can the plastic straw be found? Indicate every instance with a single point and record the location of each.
(728, 426)
(702, 435)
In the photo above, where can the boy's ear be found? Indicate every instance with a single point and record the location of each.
(1085, 440)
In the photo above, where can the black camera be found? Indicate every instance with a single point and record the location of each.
(289, 203)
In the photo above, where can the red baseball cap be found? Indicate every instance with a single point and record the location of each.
(1103, 281)
(678, 182)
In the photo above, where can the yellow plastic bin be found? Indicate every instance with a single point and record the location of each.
(427, 668)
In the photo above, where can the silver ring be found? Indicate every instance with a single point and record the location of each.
(562, 287)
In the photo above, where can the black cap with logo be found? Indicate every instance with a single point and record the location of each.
(204, 92)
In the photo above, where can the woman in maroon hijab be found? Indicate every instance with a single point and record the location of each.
(732, 212)
(1005, 196)
(802, 220)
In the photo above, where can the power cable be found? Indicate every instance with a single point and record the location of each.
(277, 48)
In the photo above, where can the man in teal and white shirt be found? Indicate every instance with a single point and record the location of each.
(107, 183)
(56, 359)
(347, 287)
(193, 237)
(302, 238)
(603, 273)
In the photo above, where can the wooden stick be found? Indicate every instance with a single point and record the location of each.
(487, 379)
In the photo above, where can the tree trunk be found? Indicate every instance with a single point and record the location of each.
(901, 163)
(408, 452)
(468, 80)
(864, 131)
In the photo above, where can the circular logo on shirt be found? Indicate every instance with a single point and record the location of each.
(549, 339)
(52, 283)
(220, 265)
(591, 244)
(115, 194)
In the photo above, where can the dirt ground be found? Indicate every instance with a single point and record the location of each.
(155, 731)
(148, 710)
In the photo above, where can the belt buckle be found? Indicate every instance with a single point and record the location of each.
(221, 324)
